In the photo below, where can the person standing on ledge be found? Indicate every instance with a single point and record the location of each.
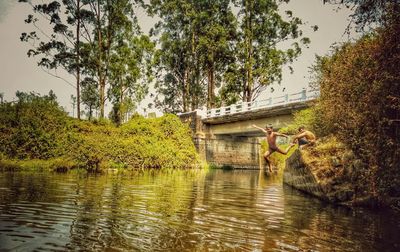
(304, 138)
(271, 140)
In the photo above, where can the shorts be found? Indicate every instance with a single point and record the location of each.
(272, 149)
(303, 141)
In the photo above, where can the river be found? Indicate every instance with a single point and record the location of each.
(197, 210)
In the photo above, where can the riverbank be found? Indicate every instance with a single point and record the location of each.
(36, 134)
(333, 173)
(96, 146)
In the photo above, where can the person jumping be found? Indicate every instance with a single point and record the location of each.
(271, 140)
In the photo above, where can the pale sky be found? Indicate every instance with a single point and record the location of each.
(18, 72)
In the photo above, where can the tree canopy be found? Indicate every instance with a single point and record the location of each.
(94, 40)
(204, 53)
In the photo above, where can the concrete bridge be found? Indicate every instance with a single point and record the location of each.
(224, 136)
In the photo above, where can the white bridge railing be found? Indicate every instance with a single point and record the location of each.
(303, 95)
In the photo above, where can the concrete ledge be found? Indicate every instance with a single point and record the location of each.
(235, 166)
(299, 176)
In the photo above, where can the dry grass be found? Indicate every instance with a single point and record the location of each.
(320, 158)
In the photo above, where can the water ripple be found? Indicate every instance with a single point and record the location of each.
(180, 211)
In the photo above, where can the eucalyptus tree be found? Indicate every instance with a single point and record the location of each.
(196, 41)
(120, 54)
(85, 39)
(216, 25)
(130, 71)
(260, 57)
(90, 95)
(73, 103)
(58, 42)
(367, 12)
(175, 60)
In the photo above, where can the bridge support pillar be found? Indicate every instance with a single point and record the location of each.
(233, 152)
(225, 151)
(201, 146)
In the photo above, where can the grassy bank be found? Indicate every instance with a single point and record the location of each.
(344, 174)
(36, 134)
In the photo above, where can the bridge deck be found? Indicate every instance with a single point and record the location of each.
(258, 113)
(272, 102)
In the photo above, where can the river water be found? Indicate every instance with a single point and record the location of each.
(196, 210)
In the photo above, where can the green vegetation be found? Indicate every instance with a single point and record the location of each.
(357, 116)
(231, 45)
(310, 118)
(34, 132)
(227, 45)
(360, 97)
(99, 43)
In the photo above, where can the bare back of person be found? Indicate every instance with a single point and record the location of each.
(304, 138)
(309, 136)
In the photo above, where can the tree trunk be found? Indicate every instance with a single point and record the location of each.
(121, 114)
(211, 86)
(78, 70)
(185, 91)
(249, 52)
(99, 69)
(90, 112)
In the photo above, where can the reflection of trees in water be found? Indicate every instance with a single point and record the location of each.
(142, 212)
(223, 214)
(32, 187)
(190, 210)
(86, 230)
(321, 226)
(27, 204)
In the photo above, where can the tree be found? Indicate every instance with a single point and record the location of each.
(360, 97)
(86, 34)
(367, 12)
(130, 71)
(259, 59)
(90, 96)
(73, 103)
(216, 25)
(175, 61)
(61, 47)
(195, 41)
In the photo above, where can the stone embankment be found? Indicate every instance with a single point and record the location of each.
(334, 178)
(298, 175)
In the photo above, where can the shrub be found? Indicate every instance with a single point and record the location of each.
(36, 128)
(310, 118)
(360, 97)
(30, 128)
